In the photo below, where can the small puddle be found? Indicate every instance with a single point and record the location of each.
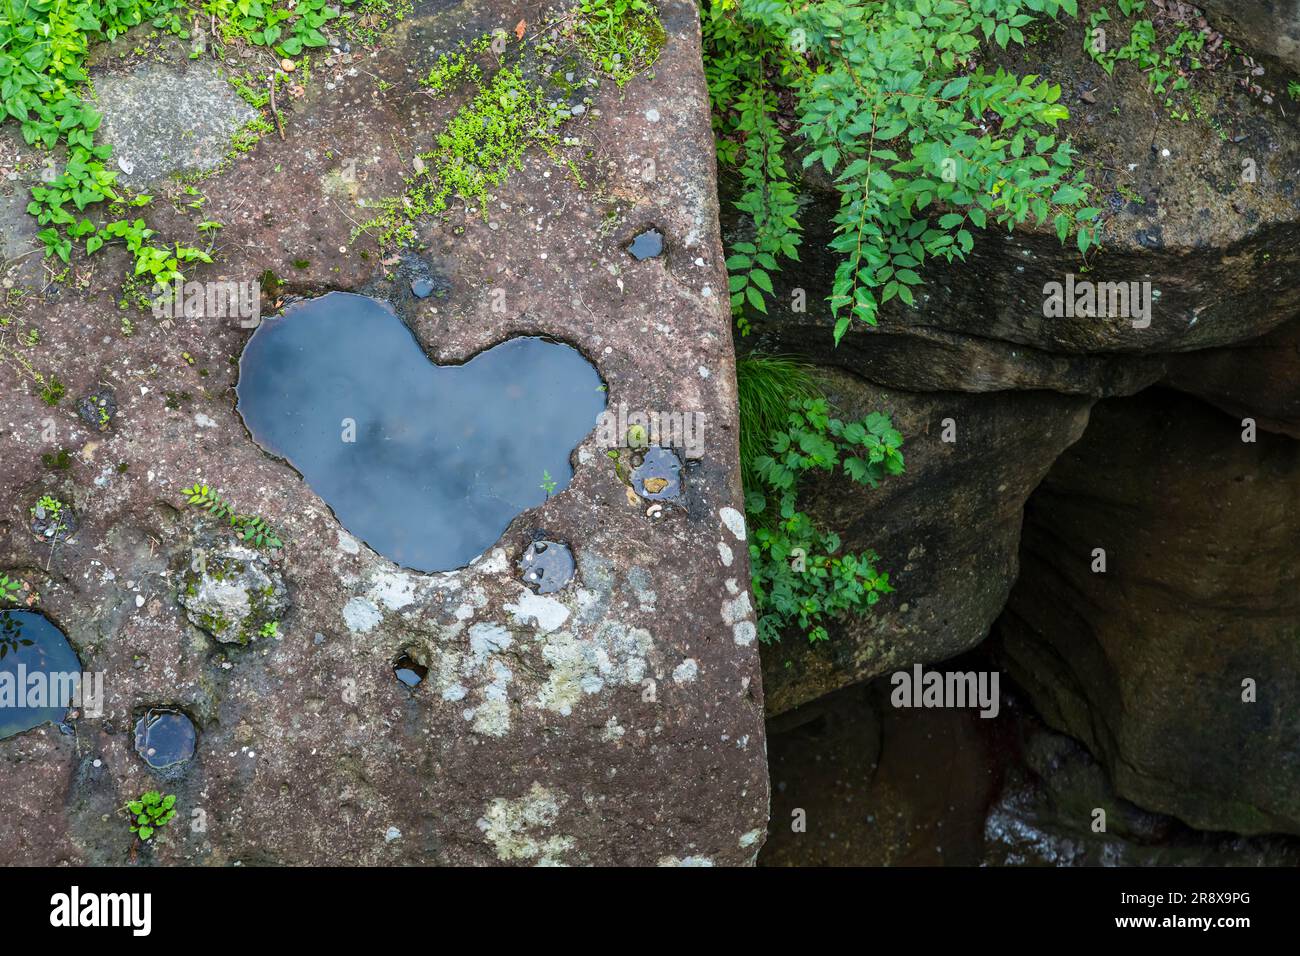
(165, 738)
(647, 244)
(425, 463)
(37, 667)
(409, 672)
(547, 565)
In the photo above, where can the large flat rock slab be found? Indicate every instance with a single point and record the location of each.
(618, 720)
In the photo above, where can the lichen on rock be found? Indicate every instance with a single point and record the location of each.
(232, 593)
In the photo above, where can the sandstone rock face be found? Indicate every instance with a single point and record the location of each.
(947, 530)
(616, 720)
(869, 784)
(1219, 253)
(1178, 666)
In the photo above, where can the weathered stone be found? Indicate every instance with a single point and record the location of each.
(586, 726)
(232, 594)
(1259, 379)
(1149, 663)
(946, 530)
(1270, 27)
(177, 117)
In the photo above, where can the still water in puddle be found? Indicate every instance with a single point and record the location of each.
(425, 463)
(36, 665)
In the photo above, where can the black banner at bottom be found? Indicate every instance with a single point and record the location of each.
(964, 904)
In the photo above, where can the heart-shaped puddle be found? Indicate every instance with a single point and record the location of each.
(425, 463)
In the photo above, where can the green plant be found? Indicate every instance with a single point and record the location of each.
(249, 528)
(50, 509)
(621, 37)
(269, 629)
(1293, 90)
(765, 387)
(43, 48)
(798, 576)
(921, 142)
(548, 483)
(9, 588)
(151, 813)
(482, 144)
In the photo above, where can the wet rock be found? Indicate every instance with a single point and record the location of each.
(547, 566)
(165, 739)
(232, 594)
(658, 476)
(647, 244)
(1178, 664)
(97, 409)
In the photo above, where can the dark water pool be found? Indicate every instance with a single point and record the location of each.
(32, 649)
(165, 738)
(426, 463)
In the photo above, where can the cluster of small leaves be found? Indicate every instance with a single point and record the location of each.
(456, 66)
(921, 142)
(249, 528)
(799, 578)
(482, 144)
(1161, 62)
(43, 48)
(621, 37)
(150, 813)
(9, 589)
(291, 28)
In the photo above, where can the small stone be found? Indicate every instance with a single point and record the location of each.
(287, 65)
(392, 834)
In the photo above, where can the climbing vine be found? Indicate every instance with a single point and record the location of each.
(920, 140)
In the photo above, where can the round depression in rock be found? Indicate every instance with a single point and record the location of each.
(165, 739)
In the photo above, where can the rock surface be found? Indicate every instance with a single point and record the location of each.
(947, 530)
(1220, 254)
(1150, 662)
(590, 725)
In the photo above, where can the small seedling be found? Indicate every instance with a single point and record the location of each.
(548, 483)
(150, 813)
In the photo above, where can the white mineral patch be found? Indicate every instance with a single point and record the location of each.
(734, 521)
(361, 615)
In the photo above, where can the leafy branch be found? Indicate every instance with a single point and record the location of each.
(249, 528)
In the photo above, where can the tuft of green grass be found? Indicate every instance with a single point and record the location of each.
(765, 386)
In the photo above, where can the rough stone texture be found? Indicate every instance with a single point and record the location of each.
(1271, 27)
(1220, 252)
(168, 118)
(1259, 379)
(232, 594)
(1145, 663)
(619, 720)
(947, 529)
